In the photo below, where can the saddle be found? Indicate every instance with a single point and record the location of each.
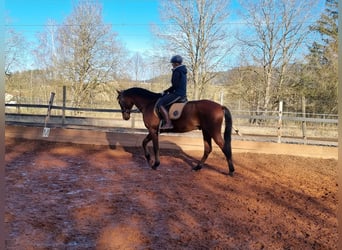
(175, 109)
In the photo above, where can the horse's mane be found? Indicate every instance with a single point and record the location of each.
(141, 92)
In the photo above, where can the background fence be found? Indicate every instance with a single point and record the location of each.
(271, 126)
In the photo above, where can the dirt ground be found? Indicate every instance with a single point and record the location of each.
(70, 196)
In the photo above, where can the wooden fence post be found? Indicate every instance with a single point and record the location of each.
(132, 121)
(304, 122)
(64, 105)
(280, 120)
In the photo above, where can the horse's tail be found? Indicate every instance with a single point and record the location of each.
(227, 148)
(228, 127)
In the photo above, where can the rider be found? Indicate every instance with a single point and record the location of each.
(176, 92)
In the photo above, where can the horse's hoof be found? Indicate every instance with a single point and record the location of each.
(155, 165)
(198, 167)
(231, 173)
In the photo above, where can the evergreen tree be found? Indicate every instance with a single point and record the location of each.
(322, 61)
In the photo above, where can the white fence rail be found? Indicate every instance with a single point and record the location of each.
(281, 128)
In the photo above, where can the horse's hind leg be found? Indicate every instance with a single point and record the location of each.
(207, 150)
(227, 151)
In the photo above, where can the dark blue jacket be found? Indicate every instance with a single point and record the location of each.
(178, 81)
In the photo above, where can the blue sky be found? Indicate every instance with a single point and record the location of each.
(131, 19)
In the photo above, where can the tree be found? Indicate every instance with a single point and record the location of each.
(137, 63)
(278, 29)
(14, 51)
(46, 51)
(327, 25)
(16, 59)
(247, 86)
(321, 67)
(85, 52)
(197, 32)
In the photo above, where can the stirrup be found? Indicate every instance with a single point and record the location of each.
(166, 126)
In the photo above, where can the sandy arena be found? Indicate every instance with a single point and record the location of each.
(62, 195)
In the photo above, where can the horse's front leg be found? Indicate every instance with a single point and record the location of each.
(147, 139)
(152, 135)
(155, 141)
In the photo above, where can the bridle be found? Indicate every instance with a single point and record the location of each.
(124, 110)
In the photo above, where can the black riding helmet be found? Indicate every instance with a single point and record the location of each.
(176, 59)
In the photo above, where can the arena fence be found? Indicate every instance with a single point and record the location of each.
(279, 127)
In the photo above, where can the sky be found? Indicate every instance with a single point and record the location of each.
(130, 19)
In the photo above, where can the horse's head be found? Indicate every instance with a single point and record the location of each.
(126, 105)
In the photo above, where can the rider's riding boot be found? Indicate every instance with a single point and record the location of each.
(165, 115)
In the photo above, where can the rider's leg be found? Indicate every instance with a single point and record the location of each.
(164, 102)
(165, 115)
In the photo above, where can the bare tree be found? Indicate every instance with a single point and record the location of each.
(14, 51)
(16, 60)
(158, 64)
(46, 52)
(197, 32)
(137, 63)
(83, 51)
(277, 30)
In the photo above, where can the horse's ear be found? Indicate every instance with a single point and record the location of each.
(118, 91)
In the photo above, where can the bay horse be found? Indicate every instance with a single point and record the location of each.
(204, 115)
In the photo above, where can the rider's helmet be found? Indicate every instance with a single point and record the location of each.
(176, 59)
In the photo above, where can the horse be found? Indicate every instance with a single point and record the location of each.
(204, 115)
